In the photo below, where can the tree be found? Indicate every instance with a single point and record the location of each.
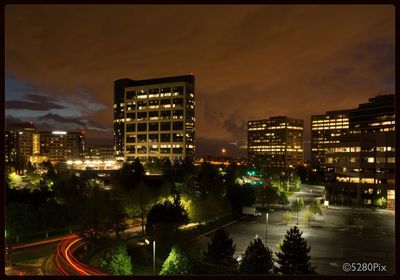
(287, 217)
(167, 214)
(283, 199)
(267, 195)
(309, 216)
(219, 255)
(50, 215)
(293, 258)
(297, 205)
(166, 168)
(19, 219)
(232, 173)
(116, 212)
(210, 182)
(94, 211)
(138, 171)
(177, 263)
(257, 259)
(129, 175)
(315, 207)
(153, 165)
(187, 187)
(117, 261)
(240, 196)
(141, 198)
(14, 180)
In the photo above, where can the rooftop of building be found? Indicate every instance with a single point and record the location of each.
(164, 80)
(276, 118)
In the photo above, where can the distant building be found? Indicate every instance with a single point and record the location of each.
(18, 143)
(361, 164)
(59, 146)
(154, 118)
(326, 129)
(277, 141)
(100, 152)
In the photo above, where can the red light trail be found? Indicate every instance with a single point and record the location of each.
(67, 264)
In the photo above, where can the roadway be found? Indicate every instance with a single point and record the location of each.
(56, 256)
(51, 257)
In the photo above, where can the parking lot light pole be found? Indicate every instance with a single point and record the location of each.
(154, 257)
(298, 210)
(266, 228)
(154, 254)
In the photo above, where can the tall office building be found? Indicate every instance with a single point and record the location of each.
(361, 165)
(326, 129)
(59, 146)
(154, 118)
(277, 141)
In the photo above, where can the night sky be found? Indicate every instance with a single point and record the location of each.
(250, 62)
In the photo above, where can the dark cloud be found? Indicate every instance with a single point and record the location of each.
(35, 103)
(250, 62)
(78, 123)
(236, 126)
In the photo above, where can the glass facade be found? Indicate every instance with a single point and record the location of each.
(277, 141)
(159, 111)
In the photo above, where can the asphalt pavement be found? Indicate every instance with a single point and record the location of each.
(338, 236)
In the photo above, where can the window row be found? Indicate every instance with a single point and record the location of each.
(154, 126)
(152, 150)
(163, 137)
(154, 92)
(155, 115)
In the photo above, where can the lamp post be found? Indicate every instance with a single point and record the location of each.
(154, 254)
(298, 210)
(223, 151)
(266, 227)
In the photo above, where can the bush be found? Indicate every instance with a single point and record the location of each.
(177, 263)
(117, 261)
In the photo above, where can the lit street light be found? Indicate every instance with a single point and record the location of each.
(154, 254)
(223, 151)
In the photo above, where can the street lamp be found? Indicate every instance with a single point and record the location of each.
(266, 228)
(223, 151)
(298, 209)
(154, 254)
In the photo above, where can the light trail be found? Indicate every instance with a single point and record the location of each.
(39, 243)
(67, 264)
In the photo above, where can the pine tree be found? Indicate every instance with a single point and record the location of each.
(294, 258)
(257, 259)
(219, 256)
(177, 263)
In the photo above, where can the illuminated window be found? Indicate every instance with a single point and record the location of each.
(390, 194)
(391, 160)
